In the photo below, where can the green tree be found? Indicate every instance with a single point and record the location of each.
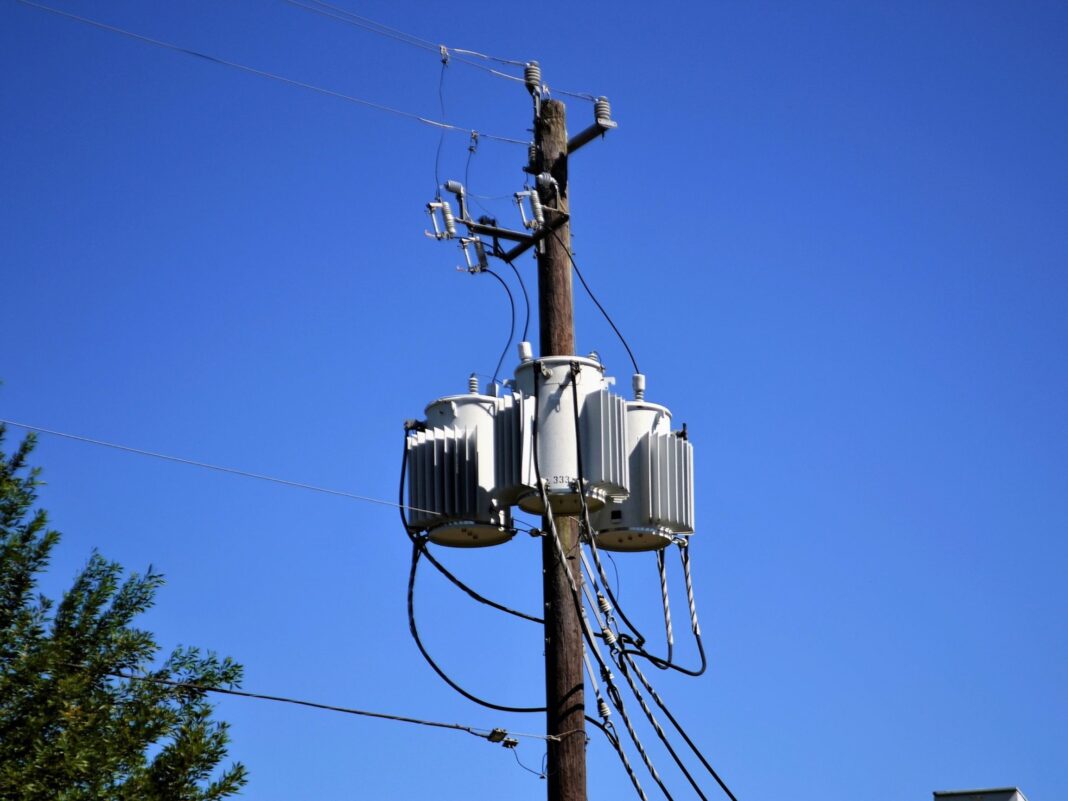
(74, 725)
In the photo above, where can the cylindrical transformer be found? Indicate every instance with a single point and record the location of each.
(660, 504)
(553, 382)
(451, 474)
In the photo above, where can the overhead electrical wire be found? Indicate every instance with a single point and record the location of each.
(441, 137)
(418, 545)
(207, 466)
(336, 12)
(678, 727)
(596, 302)
(526, 299)
(511, 329)
(418, 549)
(270, 75)
(332, 11)
(493, 735)
(401, 506)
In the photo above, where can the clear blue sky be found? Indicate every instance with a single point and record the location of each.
(834, 233)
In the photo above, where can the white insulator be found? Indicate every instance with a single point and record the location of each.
(605, 606)
(660, 505)
(532, 77)
(472, 384)
(451, 474)
(526, 352)
(609, 637)
(602, 110)
(450, 221)
(536, 208)
(603, 710)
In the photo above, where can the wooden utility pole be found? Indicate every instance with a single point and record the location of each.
(564, 701)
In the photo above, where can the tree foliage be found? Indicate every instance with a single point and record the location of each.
(74, 723)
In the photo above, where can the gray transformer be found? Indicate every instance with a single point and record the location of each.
(451, 474)
(478, 455)
(660, 504)
(551, 389)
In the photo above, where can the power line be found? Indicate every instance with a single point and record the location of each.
(493, 735)
(335, 12)
(270, 75)
(596, 302)
(418, 545)
(511, 329)
(208, 466)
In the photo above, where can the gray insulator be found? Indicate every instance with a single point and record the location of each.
(532, 155)
(450, 221)
(532, 77)
(638, 382)
(472, 384)
(606, 608)
(536, 208)
(602, 109)
(603, 710)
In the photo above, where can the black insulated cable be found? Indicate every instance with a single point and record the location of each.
(440, 567)
(511, 328)
(417, 548)
(596, 302)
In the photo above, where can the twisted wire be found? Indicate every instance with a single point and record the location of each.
(662, 567)
(678, 727)
(606, 675)
(265, 74)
